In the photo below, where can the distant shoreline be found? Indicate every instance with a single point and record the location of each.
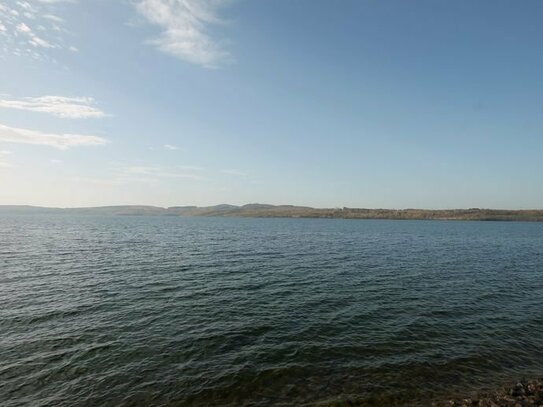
(289, 211)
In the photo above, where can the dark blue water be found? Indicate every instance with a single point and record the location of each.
(208, 311)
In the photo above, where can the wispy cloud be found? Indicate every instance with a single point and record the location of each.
(237, 173)
(56, 1)
(158, 172)
(60, 141)
(32, 29)
(33, 39)
(65, 107)
(190, 167)
(185, 29)
(124, 175)
(4, 164)
(53, 17)
(108, 181)
(170, 147)
(35, 28)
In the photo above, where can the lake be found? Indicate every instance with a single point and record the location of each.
(127, 311)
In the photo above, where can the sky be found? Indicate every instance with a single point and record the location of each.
(357, 103)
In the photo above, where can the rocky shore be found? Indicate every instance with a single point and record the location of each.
(525, 393)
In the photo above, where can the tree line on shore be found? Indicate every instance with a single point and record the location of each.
(290, 211)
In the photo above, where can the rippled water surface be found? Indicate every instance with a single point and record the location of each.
(210, 311)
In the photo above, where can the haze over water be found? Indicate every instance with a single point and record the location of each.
(214, 311)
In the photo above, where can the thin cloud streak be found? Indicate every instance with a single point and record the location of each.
(99, 181)
(56, 1)
(158, 172)
(237, 173)
(190, 168)
(60, 106)
(59, 141)
(54, 18)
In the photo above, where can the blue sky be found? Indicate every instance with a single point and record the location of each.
(427, 104)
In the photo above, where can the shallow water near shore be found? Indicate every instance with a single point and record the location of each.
(219, 311)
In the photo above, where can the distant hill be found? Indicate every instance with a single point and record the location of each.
(286, 211)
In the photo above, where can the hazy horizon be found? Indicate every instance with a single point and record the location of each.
(361, 104)
(265, 203)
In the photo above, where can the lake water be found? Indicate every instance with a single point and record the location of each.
(211, 311)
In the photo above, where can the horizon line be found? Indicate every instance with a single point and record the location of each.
(474, 208)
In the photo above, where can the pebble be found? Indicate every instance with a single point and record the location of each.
(526, 393)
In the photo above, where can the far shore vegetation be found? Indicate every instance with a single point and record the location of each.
(290, 211)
